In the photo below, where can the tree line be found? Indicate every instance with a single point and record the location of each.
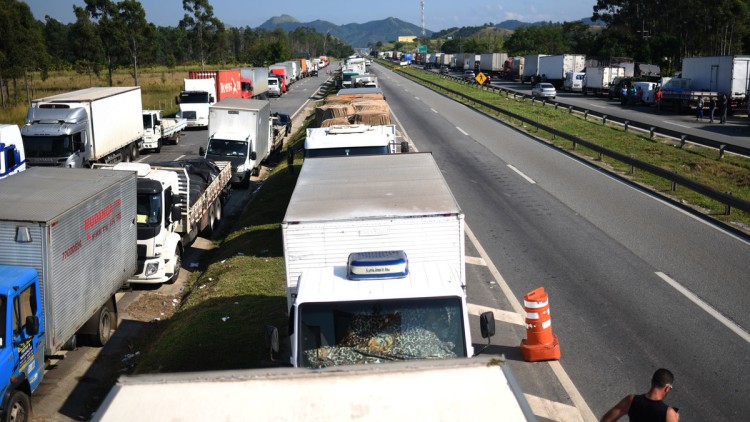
(649, 31)
(109, 34)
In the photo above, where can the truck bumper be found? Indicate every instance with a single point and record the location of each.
(150, 271)
(150, 144)
(197, 123)
(238, 177)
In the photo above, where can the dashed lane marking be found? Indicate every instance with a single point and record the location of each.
(475, 260)
(520, 173)
(552, 410)
(462, 131)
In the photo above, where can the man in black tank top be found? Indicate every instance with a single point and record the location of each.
(647, 407)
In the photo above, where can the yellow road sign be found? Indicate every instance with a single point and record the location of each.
(481, 78)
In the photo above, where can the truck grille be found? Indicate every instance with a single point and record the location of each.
(188, 115)
(141, 252)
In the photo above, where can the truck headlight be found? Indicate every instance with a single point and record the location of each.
(241, 168)
(152, 268)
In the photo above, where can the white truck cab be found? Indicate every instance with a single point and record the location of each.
(12, 156)
(351, 140)
(195, 99)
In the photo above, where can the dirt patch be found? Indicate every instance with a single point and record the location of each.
(153, 306)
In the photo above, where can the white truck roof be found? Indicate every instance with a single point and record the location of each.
(339, 136)
(432, 280)
(366, 186)
(432, 390)
(241, 104)
(87, 94)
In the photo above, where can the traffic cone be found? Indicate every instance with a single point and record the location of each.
(540, 343)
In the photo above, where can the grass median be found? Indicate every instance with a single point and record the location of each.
(701, 164)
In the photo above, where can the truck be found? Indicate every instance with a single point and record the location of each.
(513, 68)
(531, 68)
(303, 68)
(240, 131)
(492, 64)
(598, 79)
(728, 75)
(158, 131)
(176, 201)
(79, 128)
(254, 82)
(284, 75)
(12, 156)
(553, 69)
(574, 81)
(199, 94)
(356, 64)
(366, 80)
(424, 390)
(67, 245)
(348, 140)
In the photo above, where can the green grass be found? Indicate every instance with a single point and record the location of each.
(701, 164)
(242, 279)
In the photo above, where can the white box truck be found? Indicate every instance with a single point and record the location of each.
(254, 82)
(492, 64)
(553, 69)
(79, 128)
(531, 68)
(425, 390)
(598, 79)
(12, 155)
(240, 131)
(729, 75)
(344, 140)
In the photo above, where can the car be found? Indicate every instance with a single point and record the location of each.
(468, 75)
(282, 122)
(314, 72)
(444, 70)
(544, 90)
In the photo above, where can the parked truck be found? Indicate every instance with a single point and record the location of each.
(283, 74)
(254, 82)
(177, 201)
(240, 131)
(304, 69)
(158, 131)
(492, 64)
(12, 155)
(728, 75)
(426, 390)
(374, 256)
(553, 69)
(598, 79)
(68, 244)
(345, 140)
(205, 88)
(82, 127)
(531, 68)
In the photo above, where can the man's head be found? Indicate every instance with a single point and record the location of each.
(662, 379)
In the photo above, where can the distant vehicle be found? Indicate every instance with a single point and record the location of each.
(403, 63)
(444, 70)
(314, 72)
(574, 81)
(545, 90)
(12, 155)
(274, 87)
(468, 75)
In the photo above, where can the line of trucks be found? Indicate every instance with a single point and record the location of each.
(710, 76)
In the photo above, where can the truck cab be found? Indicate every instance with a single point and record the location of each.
(194, 101)
(22, 343)
(347, 140)
(379, 308)
(152, 130)
(12, 156)
(56, 135)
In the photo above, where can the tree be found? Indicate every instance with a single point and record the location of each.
(85, 46)
(110, 33)
(138, 33)
(207, 32)
(56, 40)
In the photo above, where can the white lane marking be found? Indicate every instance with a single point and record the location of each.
(179, 158)
(551, 410)
(705, 306)
(677, 124)
(520, 173)
(462, 131)
(565, 381)
(417, 98)
(474, 260)
(500, 315)
(433, 110)
(597, 105)
(143, 157)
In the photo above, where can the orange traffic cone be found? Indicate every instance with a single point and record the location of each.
(540, 343)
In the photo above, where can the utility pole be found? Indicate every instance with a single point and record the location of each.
(424, 36)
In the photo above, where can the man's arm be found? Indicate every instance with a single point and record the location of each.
(620, 410)
(672, 415)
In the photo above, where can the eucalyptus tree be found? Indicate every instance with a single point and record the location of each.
(207, 31)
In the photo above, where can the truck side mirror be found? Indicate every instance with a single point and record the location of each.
(175, 215)
(201, 152)
(211, 99)
(253, 156)
(487, 324)
(32, 325)
(404, 146)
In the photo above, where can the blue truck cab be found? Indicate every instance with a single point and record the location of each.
(21, 341)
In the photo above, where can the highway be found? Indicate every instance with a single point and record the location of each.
(635, 281)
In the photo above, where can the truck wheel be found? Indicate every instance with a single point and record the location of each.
(125, 155)
(218, 212)
(134, 152)
(177, 265)
(19, 407)
(104, 327)
(158, 146)
(71, 344)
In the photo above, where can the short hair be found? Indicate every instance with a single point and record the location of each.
(661, 378)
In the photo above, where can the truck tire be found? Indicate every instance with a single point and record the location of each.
(19, 407)
(71, 344)
(134, 152)
(219, 210)
(104, 327)
(125, 154)
(177, 265)
(158, 146)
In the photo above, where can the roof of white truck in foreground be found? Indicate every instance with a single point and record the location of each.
(433, 390)
(353, 136)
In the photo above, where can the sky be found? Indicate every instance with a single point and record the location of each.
(439, 14)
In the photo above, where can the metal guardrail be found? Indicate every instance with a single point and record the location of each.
(725, 198)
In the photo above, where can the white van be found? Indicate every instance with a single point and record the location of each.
(12, 156)
(648, 91)
(573, 81)
(273, 87)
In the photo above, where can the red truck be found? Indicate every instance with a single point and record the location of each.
(228, 82)
(281, 72)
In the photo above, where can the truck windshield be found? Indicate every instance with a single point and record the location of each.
(194, 98)
(148, 209)
(48, 146)
(227, 148)
(346, 333)
(147, 122)
(330, 152)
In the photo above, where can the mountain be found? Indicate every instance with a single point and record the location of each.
(355, 34)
